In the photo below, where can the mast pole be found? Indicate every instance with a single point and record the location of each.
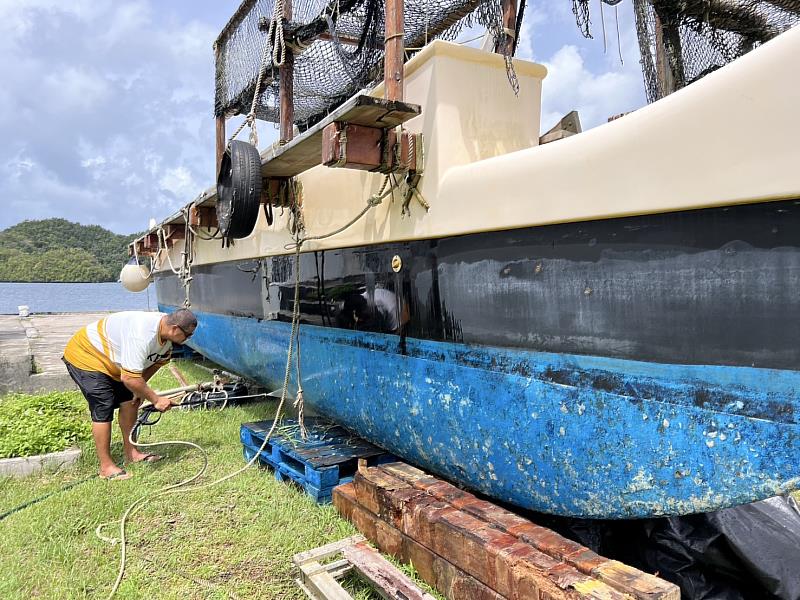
(393, 51)
(286, 74)
(505, 45)
(220, 122)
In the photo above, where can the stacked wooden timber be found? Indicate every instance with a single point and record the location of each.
(469, 548)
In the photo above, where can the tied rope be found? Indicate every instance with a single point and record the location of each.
(278, 50)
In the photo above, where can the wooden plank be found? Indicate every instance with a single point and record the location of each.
(383, 576)
(305, 151)
(642, 586)
(323, 552)
(337, 566)
(324, 585)
(219, 143)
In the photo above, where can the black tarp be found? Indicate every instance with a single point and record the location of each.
(747, 552)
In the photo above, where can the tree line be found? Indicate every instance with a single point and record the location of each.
(57, 250)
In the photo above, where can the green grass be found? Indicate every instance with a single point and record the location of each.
(232, 540)
(38, 424)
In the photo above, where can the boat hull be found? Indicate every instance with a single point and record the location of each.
(629, 367)
(491, 419)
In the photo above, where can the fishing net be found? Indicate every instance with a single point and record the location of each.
(337, 47)
(681, 41)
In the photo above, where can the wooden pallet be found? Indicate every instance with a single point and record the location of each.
(327, 458)
(319, 572)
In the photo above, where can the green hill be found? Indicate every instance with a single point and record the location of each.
(57, 250)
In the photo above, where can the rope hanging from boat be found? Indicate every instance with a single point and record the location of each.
(279, 45)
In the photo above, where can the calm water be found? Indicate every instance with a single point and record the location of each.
(73, 297)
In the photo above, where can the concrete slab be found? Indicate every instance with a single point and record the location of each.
(31, 350)
(22, 467)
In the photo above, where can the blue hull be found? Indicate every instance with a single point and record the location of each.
(553, 432)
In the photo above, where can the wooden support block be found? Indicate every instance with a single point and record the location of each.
(453, 583)
(175, 231)
(352, 146)
(151, 241)
(383, 494)
(499, 548)
(203, 216)
(420, 518)
(404, 471)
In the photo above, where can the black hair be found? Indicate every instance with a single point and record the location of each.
(183, 318)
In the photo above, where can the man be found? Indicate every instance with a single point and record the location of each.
(112, 360)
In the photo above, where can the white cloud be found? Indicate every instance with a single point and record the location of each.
(580, 77)
(97, 161)
(597, 96)
(102, 100)
(179, 182)
(75, 89)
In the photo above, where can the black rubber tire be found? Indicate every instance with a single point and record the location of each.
(239, 190)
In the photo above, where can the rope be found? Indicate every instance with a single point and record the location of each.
(152, 262)
(161, 233)
(176, 488)
(619, 41)
(277, 32)
(133, 508)
(373, 200)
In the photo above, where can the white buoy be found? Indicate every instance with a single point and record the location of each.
(24, 311)
(134, 277)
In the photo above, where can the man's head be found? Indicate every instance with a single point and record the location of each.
(178, 326)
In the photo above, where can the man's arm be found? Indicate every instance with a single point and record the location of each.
(140, 389)
(150, 371)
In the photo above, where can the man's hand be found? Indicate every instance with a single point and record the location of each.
(162, 404)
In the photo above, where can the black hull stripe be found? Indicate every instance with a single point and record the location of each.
(716, 286)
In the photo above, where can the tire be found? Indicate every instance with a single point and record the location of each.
(239, 190)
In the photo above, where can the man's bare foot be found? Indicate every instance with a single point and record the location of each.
(142, 457)
(114, 473)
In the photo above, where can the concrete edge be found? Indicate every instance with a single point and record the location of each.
(28, 465)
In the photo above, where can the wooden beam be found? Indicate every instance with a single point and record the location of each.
(495, 546)
(220, 143)
(349, 41)
(385, 578)
(286, 75)
(175, 232)
(393, 51)
(505, 45)
(203, 216)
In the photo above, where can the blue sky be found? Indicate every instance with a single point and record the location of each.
(106, 105)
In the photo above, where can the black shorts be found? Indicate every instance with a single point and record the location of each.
(103, 393)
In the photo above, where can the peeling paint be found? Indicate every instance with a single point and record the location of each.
(609, 455)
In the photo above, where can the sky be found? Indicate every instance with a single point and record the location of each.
(106, 106)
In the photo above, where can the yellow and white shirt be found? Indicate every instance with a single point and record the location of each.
(124, 342)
